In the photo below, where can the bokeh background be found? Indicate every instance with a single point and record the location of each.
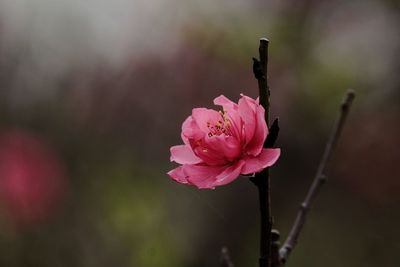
(93, 94)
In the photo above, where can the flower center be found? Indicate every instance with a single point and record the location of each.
(222, 126)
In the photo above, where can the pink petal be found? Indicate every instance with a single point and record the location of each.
(254, 102)
(203, 116)
(229, 174)
(178, 175)
(236, 123)
(209, 155)
(255, 145)
(190, 130)
(225, 103)
(202, 176)
(266, 158)
(226, 147)
(247, 112)
(209, 177)
(183, 154)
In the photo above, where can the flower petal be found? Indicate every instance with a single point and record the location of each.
(202, 176)
(203, 116)
(209, 155)
(183, 154)
(226, 147)
(256, 143)
(251, 100)
(225, 103)
(190, 130)
(266, 158)
(229, 174)
(247, 113)
(236, 123)
(178, 175)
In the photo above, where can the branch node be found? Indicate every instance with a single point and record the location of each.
(304, 206)
(275, 257)
(225, 259)
(348, 99)
(273, 134)
(275, 235)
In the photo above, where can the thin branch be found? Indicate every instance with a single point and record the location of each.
(261, 179)
(318, 181)
(225, 260)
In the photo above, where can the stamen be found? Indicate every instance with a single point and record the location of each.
(219, 127)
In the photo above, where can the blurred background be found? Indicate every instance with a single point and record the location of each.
(93, 94)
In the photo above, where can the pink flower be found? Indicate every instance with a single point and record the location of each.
(219, 146)
(32, 178)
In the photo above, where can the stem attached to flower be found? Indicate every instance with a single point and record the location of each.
(319, 180)
(261, 179)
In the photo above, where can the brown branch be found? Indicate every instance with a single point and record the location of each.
(225, 260)
(275, 258)
(261, 179)
(318, 181)
(260, 70)
(273, 134)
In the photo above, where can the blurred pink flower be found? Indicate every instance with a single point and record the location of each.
(219, 146)
(32, 181)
